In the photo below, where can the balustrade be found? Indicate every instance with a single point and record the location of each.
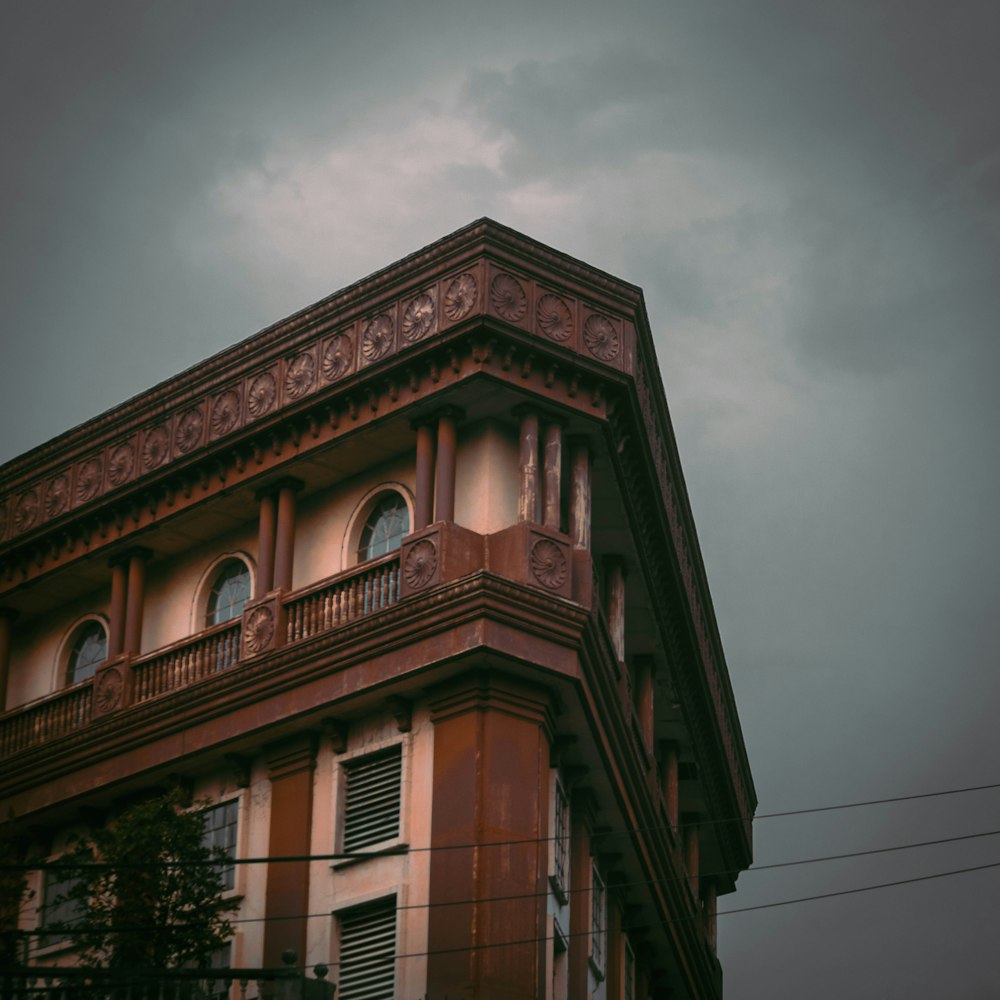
(186, 664)
(329, 604)
(46, 720)
(343, 599)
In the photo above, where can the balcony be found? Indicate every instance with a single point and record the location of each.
(329, 604)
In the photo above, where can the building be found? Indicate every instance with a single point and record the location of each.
(410, 576)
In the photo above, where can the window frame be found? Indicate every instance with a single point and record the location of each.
(387, 898)
(211, 581)
(560, 855)
(232, 870)
(344, 763)
(65, 663)
(598, 952)
(363, 510)
(45, 917)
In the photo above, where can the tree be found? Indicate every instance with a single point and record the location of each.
(150, 891)
(14, 893)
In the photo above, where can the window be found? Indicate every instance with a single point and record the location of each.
(385, 528)
(598, 923)
(56, 908)
(220, 832)
(372, 789)
(89, 649)
(560, 844)
(367, 952)
(229, 593)
(629, 991)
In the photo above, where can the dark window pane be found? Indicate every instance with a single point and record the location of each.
(90, 649)
(385, 528)
(230, 592)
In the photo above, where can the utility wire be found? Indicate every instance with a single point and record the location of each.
(342, 856)
(616, 886)
(669, 923)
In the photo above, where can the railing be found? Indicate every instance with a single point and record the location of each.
(62, 983)
(343, 599)
(46, 720)
(326, 605)
(186, 663)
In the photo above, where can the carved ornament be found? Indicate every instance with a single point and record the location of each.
(554, 318)
(508, 298)
(259, 629)
(460, 297)
(420, 564)
(548, 564)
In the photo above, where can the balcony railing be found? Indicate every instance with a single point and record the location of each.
(329, 604)
(45, 720)
(342, 599)
(186, 663)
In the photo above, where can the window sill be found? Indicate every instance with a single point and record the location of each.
(386, 849)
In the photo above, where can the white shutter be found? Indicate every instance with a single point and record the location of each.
(371, 804)
(367, 952)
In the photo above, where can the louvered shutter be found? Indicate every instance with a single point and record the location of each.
(367, 952)
(371, 806)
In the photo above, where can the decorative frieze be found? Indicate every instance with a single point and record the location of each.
(337, 348)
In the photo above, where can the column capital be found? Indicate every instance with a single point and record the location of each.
(455, 413)
(272, 488)
(126, 555)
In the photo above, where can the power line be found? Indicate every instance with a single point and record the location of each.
(669, 923)
(356, 856)
(873, 802)
(863, 888)
(618, 885)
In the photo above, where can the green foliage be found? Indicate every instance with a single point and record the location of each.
(149, 890)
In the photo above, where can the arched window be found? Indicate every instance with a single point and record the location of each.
(90, 647)
(385, 528)
(230, 591)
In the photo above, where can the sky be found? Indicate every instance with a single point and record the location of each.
(808, 195)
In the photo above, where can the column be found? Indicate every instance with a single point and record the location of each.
(116, 625)
(7, 616)
(553, 476)
(490, 789)
(529, 495)
(286, 899)
(579, 493)
(134, 600)
(614, 602)
(423, 512)
(265, 544)
(692, 859)
(284, 536)
(447, 444)
(670, 776)
(642, 692)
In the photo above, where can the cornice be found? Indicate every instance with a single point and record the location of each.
(482, 271)
(412, 384)
(669, 558)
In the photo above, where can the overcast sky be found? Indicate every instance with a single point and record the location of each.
(807, 193)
